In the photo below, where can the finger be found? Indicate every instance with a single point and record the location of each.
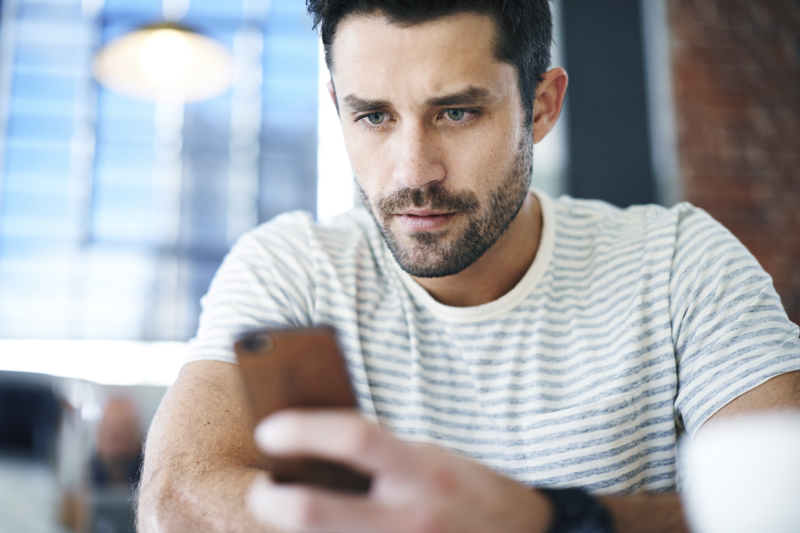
(305, 509)
(339, 435)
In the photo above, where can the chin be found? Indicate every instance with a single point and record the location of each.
(434, 259)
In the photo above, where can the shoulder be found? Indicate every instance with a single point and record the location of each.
(685, 235)
(278, 273)
(704, 247)
(351, 229)
(601, 215)
(295, 249)
(297, 232)
(683, 221)
(636, 227)
(292, 228)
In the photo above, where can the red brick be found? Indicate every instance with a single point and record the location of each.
(736, 75)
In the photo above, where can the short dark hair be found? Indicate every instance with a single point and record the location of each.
(524, 29)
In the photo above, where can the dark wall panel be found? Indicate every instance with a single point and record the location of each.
(609, 137)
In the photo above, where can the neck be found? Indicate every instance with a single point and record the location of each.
(499, 269)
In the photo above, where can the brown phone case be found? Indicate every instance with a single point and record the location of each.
(299, 368)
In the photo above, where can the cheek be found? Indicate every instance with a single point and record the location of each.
(477, 161)
(370, 161)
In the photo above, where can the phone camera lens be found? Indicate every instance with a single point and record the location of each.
(259, 343)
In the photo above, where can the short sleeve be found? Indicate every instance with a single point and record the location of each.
(266, 280)
(729, 328)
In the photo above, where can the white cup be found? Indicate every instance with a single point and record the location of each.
(742, 475)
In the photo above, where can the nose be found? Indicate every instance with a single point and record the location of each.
(416, 157)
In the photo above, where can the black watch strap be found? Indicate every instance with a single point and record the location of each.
(577, 511)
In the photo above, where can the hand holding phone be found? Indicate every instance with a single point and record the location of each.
(299, 368)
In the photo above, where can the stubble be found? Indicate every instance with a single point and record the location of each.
(437, 254)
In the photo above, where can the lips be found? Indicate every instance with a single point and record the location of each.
(417, 220)
(423, 212)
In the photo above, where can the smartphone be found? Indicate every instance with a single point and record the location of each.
(299, 368)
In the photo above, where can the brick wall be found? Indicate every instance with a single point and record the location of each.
(736, 72)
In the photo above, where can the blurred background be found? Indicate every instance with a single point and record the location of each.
(140, 138)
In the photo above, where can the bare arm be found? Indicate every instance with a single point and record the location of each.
(201, 462)
(780, 393)
(200, 458)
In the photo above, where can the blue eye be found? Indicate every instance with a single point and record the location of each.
(376, 118)
(456, 114)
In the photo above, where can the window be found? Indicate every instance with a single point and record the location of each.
(115, 213)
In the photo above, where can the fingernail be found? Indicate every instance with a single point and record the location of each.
(267, 434)
(257, 498)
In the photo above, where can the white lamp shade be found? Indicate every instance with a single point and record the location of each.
(165, 63)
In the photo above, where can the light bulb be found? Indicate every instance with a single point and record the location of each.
(165, 57)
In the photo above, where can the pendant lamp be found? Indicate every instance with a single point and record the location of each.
(165, 62)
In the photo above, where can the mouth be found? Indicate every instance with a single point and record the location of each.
(423, 213)
(419, 220)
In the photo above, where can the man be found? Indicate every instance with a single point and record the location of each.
(118, 458)
(499, 341)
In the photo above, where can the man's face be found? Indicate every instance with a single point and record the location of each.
(433, 125)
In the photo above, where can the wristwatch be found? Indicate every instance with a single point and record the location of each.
(577, 511)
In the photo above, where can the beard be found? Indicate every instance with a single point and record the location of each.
(435, 254)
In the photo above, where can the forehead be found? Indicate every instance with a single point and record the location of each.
(375, 58)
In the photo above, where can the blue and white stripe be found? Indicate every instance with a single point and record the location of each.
(629, 325)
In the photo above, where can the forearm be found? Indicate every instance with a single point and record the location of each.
(647, 513)
(199, 458)
(213, 502)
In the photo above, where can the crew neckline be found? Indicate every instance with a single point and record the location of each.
(506, 302)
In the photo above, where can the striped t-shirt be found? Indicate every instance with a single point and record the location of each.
(630, 325)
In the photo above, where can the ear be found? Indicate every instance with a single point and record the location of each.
(549, 99)
(332, 94)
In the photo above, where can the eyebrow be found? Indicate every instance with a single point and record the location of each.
(360, 105)
(467, 97)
